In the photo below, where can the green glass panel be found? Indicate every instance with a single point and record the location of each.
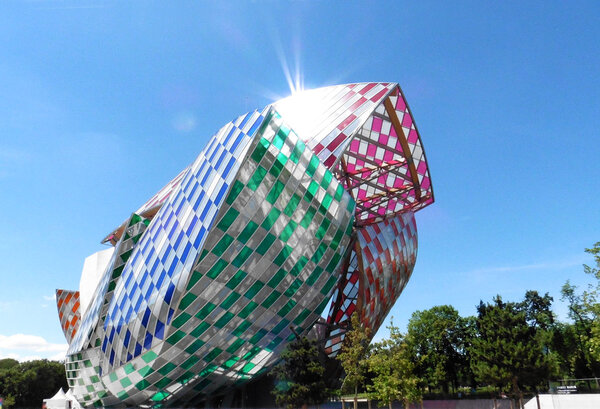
(321, 306)
(94, 379)
(293, 288)
(186, 301)
(350, 206)
(251, 354)
(163, 383)
(319, 253)
(248, 367)
(312, 166)
(311, 191)
(277, 277)
(270, 299)
(286, 309)
(283, 255)
(339, 193)
(271, 218)
(314, 276)
(278, 165)
(247, 232)
(120, 395)
(143, 384)
(234, 192)
(301, 317)
(204, 253)
(167, 368)
(199, 330)
(279, 327)
(308, 216)
(266, 244)
(232, 298)
(337, 239)
(325, 203)
(236, 279)
(145, 371)
(217, 269)
(275, 192)
(231, 361)
(323, 229)
(221, 322)
(333, 262)
(242, 256)
(213, 354)
(183, 379)
(241, 328)
(252, 291)
(128, 368)
(330, 283)
(297, 152)
(260, 150)
(90, 388)
(88, 364)
(258, 336)
(257, 178)
(288, 231)
(196, 275)
(191, 361)
(235, 346)
(248, 309)
(194, 346)
(297, 269)
(181, 319)
(228, 219)
(280, 137)
(276, 341)
(326, 179)
(222, 245)
(176, 337)
(204, 311)
(350, 227)
(291, 206)
(113, 376)
(159, 396)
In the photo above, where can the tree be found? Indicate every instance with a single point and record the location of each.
(583, 362)
(591, 301)
(507, 352)
(352, 356)
(300, 375)
(30, 382)
(394, 372)
(438, 340)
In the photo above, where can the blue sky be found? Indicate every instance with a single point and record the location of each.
(103, 103)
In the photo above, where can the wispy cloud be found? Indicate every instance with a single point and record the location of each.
(28, 347)
(552, 265)
(50, 297)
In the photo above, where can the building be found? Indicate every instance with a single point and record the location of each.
(306, 205)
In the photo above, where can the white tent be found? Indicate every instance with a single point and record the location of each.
(71, 398)
(62, 400)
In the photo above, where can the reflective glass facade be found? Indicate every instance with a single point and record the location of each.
(306, 205)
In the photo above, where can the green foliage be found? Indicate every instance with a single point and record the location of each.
(591, 302)
(353, 355)
(507, 352)
(28, 383)
(8, 363)
(437, 339)
(300, 376)
(394, 374)
(584, 332)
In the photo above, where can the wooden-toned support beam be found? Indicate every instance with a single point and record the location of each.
(391, 111)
